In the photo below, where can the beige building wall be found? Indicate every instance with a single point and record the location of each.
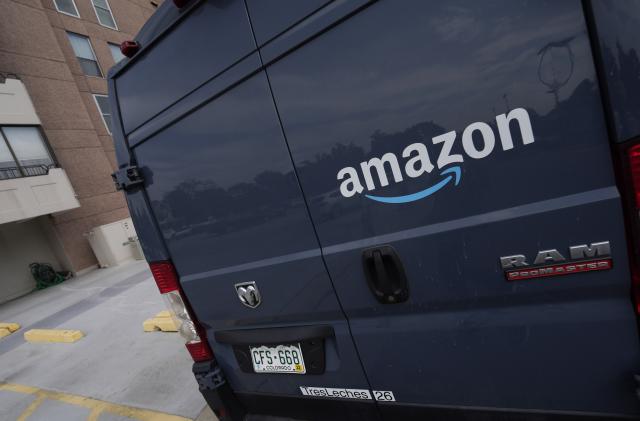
(34, 46)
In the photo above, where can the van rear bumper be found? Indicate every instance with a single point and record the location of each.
(231, 406)
(316, 409)
(410, 412)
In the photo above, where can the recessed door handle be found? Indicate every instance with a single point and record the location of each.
(385, 274)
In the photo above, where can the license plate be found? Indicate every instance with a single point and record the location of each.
(278, 359)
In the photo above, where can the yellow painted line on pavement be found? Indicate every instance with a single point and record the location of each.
(4, 332)
(96, 411)
(31, 408)
(97, 406)
(19, 388)
(52, 335)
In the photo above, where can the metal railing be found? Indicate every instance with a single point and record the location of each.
(7, 173)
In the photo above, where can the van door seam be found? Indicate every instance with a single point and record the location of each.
(306, 202)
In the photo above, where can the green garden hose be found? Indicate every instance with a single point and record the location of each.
(46, 276)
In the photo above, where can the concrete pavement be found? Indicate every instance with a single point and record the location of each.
(115, 363)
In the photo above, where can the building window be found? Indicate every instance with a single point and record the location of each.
(103, 12)
(102, 101)
(24, 152)
(84, 52)
(115, 52)
(68, 7)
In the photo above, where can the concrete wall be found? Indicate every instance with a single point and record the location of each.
(22, 243)
(35, 47)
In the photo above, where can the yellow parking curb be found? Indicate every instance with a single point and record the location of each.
(7, 329)
(52, 335)
(11, 327)
(162, 321)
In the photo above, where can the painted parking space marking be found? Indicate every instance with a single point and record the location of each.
(96, 407)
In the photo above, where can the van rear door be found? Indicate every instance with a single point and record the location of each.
(515, 163)
(222, 188)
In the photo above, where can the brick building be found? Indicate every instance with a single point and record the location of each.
(56, 152)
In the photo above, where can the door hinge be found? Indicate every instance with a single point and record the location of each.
(127, 177)
(208, 375)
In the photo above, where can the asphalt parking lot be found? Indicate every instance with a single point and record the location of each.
(115, 372)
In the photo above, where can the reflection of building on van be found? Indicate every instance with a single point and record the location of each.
(284, 184)
(56, 151)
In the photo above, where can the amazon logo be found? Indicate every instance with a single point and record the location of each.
(478, 142)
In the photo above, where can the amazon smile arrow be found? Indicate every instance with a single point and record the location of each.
(456, 175)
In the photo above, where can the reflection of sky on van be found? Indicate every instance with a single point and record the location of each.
(358, 92)
(391, 76)
(217, 139)
(618, 25)
(464, 61)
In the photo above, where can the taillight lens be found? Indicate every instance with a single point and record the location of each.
(167, 280)
(633, 156)
(129, 48)
(165, 276)
(199, 351)
(634, 166)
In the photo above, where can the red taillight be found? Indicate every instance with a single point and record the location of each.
(165, 276)
(633, 217)
(188, 326)
(129, 48)
(199, 351)
(634, 166)
(635, 280)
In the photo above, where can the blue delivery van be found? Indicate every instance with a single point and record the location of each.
(392, 210)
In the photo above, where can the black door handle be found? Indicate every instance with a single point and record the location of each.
(385, 274)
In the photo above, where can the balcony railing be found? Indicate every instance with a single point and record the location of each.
(7, 173)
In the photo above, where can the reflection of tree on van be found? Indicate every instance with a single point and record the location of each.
(181, 207)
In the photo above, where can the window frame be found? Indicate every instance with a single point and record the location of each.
(77, 15)
(95, 57)
(95, 99)
(113, 18)
(45, 141)
(113, 44)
